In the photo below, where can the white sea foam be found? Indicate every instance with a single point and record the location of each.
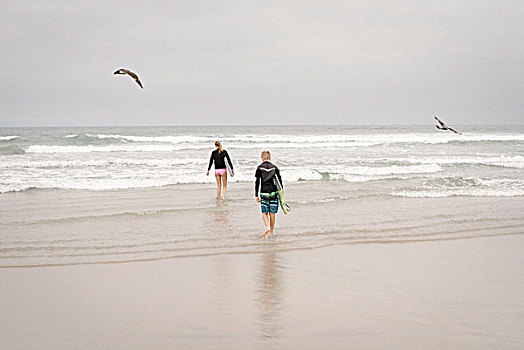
(112, 148)
(340, 170)
(114, 158)
(509, 162)
(8, 138)
(332, 140)
(355, 173)
(464, 192)
(375, 139)
(154, 139)
(478, 187)
(168, 147)
(96, 184)
(394, 170)
(301, 174)
(501, 182)
(102, 163)
(502, 161)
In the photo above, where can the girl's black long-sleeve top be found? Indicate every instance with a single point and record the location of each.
(219, 159)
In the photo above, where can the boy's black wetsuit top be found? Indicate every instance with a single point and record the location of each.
(265, 172)
(218, 158)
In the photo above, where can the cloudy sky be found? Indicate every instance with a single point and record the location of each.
(261, 62)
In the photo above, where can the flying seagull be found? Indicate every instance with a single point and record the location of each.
(131, 74)
(444, 126)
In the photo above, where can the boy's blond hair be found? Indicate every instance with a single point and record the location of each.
(265, 155)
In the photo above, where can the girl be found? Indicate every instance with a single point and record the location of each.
(219, 156)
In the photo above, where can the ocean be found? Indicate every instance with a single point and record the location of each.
(115, 194)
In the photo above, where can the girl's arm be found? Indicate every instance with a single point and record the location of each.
(210, 162)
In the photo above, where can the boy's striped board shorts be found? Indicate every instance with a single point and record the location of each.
(269, 202)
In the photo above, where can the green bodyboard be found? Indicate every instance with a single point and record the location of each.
(280, 194)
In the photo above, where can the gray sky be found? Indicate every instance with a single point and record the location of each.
(261, 62)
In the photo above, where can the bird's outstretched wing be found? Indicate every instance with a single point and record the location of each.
(440, 122)
(134, 76)
(139, 83)
(131, 74)
(455, 131)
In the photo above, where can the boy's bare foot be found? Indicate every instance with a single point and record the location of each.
(265, 233)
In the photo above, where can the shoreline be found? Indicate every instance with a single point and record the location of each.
(273, 249)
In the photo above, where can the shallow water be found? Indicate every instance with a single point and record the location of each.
(60, 227)
(93, 195)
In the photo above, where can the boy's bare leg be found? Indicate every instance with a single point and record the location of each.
(272, 219)
(224, 185)
(219, 185)
(266, 221)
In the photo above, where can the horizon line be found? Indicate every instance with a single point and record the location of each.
(232, 125)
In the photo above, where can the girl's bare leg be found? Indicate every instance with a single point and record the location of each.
(272, 220)
(219, 185)
(224, 185)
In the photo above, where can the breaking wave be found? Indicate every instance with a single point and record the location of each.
(8, 138)
(434, 163)
(331, 140)
(110, 148)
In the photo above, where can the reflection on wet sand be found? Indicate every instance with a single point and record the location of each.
(221, 214)
(269, 293)
(222, 276)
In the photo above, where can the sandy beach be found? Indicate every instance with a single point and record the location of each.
(454, 294)
(397, 129)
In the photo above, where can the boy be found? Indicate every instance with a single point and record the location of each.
(268, 198)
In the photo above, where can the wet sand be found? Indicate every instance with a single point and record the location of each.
(446, 294)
